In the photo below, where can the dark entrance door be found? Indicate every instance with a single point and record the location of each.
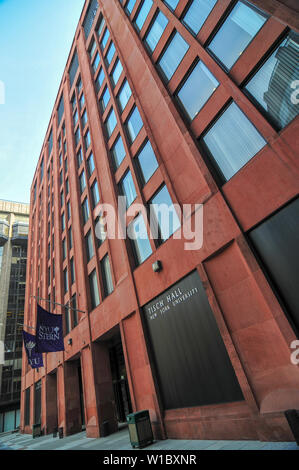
(119, 380)
(37, 402)
(81, 396)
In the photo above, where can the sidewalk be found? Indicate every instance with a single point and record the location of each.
(121, 441)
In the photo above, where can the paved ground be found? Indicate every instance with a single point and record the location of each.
(121, 441)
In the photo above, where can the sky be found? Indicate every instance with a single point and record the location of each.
(35, 40)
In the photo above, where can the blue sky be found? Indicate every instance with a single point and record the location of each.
(35, 40)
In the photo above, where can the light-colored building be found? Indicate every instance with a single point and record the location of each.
(14, 226)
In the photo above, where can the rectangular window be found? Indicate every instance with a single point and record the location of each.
(87, 140)
(82, 101)
(124, 95)
(110, 54)
(105, 98)
(197, 14)
(197, 89)
(27, 406)
(106, 276)
(147, 162)
(105, 39)
(67, 320)
(72, 266)
(85, 211)
(62, 198)
(63, 222)
(272, 85)
(77, 136)
(100, 230)
(84, 119)
(96, 63)
(89, 246)
(60, 110)
(94, 289)
(82, 182)
(238, 30)
(90, 165)
(233, 141)
(89, 17)
(65, 281)
(127, 188)
(164, 218)
(70, 235)
(100, 26)
(143, 13)
(95, 196)
(139, 238)
(156, 30)
(173, 55)
(74, 310)
(110, 123)
(100, 79)
(92, 49)
(68, 208)
(118, 152)
(130, 5)
(116, 72)
(79, 157)
(171, 3)
(133, 124)
(63, 249)
(73, 68)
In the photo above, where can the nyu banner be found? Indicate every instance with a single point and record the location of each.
(49, 332)
(35, 359)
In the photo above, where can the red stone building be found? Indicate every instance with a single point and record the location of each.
(187, 102)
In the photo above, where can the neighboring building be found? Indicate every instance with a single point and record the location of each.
(188, 102)
(14, 224)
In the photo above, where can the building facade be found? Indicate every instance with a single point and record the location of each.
(14, 225)
(175, 102)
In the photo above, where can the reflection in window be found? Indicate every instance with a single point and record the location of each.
(106, 276)
(173, 55)
(110, 122)
(118, 152)
(127, 188)
(164, 218)
(147, 161)
(139, 239)
(143, 12)
(240, 27)
(134, 124)
(124, 95)
(116, 72)
(156, 31)
(197, 14)
(233, 141)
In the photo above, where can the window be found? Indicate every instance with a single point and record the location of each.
(82, 182)
(87, 140)
(70, 235)
(63, 249)
(238, 30)
(110, 123)
(271, 87)
(79, 85)
(90, 16)
(105, 39)
(164, 218)
(233, 141)
(197, 14)
(100, 79)
(95, 195)
(124, 95)
(75, 119)
(118, 152)
(156, 30)
(105, 98)
(130, 5)
(77, 136)
(143, 12)
(89, 246)
(127, 188)
(84, 119)
(74, 310)
(100, 231)
(85, 211)
(90, 165)
(62, 198)
(94, 289)
(67, 320)
(82, 101)
(68, 209)
(79, 157)
(106, 276)
(133, 124)
(147, 162)
(116, 72)
(96, 62)
(139, 239)
(92, 48)
(63, 222)
(65, 281)
(171, 3)
(197, 89)
(173, 55)
(101, 26)
(110, 53)
(73, 68)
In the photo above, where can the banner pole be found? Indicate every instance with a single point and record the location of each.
(56, 303)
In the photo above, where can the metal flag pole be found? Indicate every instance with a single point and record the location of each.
(56, 303)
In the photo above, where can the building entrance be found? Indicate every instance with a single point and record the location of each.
(119, 380)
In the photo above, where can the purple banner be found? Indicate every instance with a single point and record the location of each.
(35, 359)
(49, 332)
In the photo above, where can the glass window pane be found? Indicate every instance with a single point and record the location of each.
(139, 237)
(82, 181)
(272, 87)
(110, 53)
(100, 79)
(236, 33)
(107, 277)
(156, 31)
(127, 188)
(134, 124)
(111, 122)
(90, 165)
(197, 14)
(147, 161)
(233, 141)
(143, 12)
(130, 5)
(116, 72)
(118, 152)
(172, 3)
(95, 194)
(96, 62)
(124, 95)
(163, 211)
(105, 39)
(105, 98)
(173, 55)
(197, 89)
(89, 246)
(94, 289)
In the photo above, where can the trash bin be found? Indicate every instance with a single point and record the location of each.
(36, 430)
(140, 428)
(60, 433)
(292, 417)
